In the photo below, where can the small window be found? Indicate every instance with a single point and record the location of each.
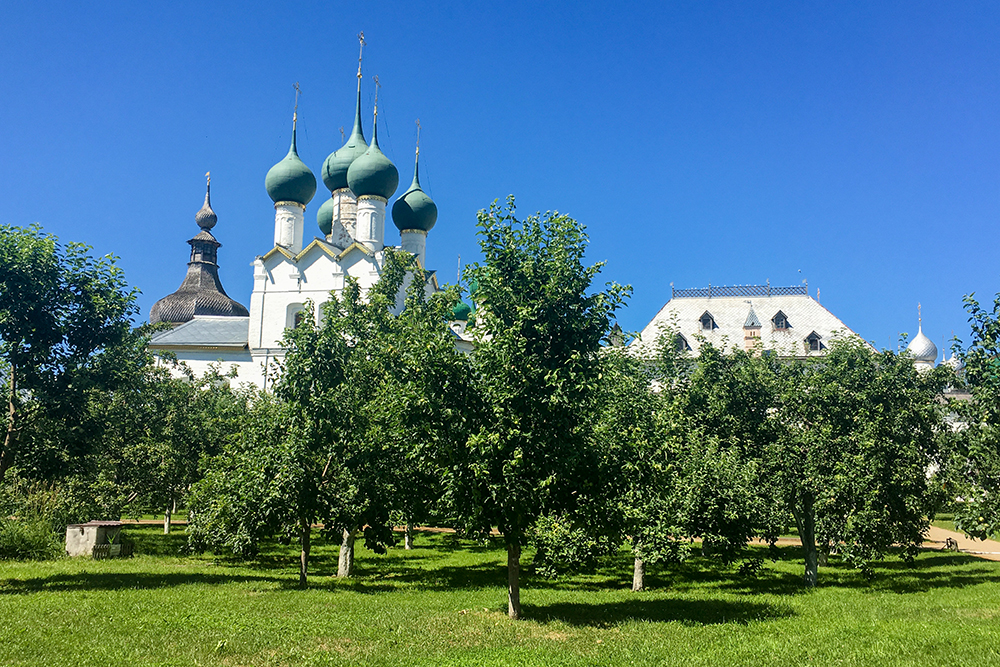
(681, 344)
(707, 321)
(813, 341)
(780, 321)
(294, 314)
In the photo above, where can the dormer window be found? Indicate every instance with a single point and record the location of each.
(681, 344)
(813, 342)
(780, 321)
(707, 321)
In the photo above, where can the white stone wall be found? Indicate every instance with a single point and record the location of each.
(414, 241)
(289, 222)
(370, 230)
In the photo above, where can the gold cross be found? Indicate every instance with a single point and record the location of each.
(361, 48)
(295, 112)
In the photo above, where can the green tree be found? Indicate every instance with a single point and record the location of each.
(540, 328)
(696, 474)
(855, 434)
(65, 333)
(976, 457)
(159, 429)
(364, 406)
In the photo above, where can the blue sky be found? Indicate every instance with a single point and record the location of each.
(855, 145)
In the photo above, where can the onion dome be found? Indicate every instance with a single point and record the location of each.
(290, 179)
(338, 162)
(373, 174)
(205, 217)
(324, 217)
(955, 363)
(922, 348)
(414, 209)
(201, 293)
(461, 312)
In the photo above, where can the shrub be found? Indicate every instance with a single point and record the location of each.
(28, 538)
(29, 523)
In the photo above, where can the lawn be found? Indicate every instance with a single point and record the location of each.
(444, 604)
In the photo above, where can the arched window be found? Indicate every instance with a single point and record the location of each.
(294, 315)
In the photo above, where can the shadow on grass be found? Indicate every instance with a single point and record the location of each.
(150, 540)
(688, 612)
(113, 581)
(928, 572)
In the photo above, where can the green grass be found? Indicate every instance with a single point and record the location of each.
(444, 604)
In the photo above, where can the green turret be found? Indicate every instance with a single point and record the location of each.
(373, 174)
(414, 210)
(338, 162)
(290, 179)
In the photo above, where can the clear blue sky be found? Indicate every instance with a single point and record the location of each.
(699, 142)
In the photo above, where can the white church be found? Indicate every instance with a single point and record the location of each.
(210, 327)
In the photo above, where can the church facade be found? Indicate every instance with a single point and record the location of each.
(209, 327)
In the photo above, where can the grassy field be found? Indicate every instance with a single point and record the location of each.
(443, 604)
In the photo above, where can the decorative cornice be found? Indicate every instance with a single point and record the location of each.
(289, 203)
(375, 197)
(356, 246)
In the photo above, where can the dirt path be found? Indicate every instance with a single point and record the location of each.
(936, 537)
(988, 549)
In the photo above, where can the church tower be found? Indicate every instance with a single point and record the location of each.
(291, 186)
(201, 293)
(338, 216)
(373, 178)
(414, 214)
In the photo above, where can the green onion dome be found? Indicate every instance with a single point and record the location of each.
(338, 162)
(373, 174)
(290, 179)
(324, 217)
(415, 210)
(461, 311)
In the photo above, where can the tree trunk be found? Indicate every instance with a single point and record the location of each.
(408, 539)
(7, 453)
(639, 575)
(167, 513)
(345, 566)
(805, 521)
(304, 555)
(514, 580)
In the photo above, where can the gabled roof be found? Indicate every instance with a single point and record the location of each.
(751, 320)
(683, 314)
(230, 332)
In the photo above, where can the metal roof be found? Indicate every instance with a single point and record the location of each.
(730, 314)
(218, 331)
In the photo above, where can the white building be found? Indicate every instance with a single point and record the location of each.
(211, 327)
(783, 320)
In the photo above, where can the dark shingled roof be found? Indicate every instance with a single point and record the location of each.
(201, 293)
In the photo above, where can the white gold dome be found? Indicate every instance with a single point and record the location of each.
(954, 362)
(923, 348)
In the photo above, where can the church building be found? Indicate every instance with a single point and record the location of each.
(211, 327)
